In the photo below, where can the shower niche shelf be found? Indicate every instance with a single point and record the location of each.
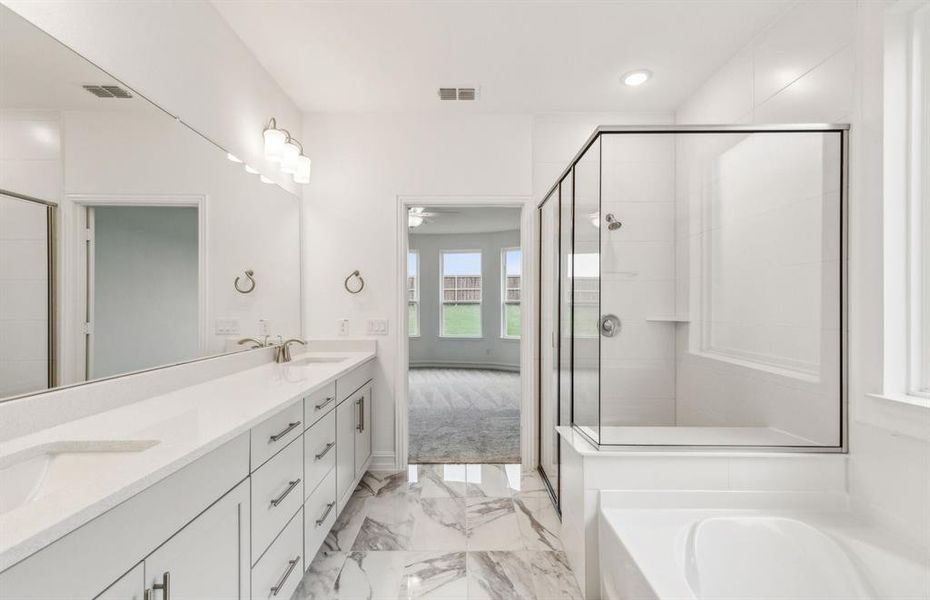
(667, 319)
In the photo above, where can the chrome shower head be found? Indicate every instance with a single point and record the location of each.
(612, 223)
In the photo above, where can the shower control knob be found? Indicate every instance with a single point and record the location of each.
(610, 325)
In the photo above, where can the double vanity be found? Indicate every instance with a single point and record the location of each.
(224, 488)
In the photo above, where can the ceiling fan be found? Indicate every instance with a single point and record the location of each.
(417, 215)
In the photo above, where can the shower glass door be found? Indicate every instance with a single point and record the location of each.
(585, 275)
(549, 340)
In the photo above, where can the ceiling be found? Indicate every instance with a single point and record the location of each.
(526, 56)
(468, 219)
(39, 72)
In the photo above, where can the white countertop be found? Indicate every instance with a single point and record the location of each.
(188, 423)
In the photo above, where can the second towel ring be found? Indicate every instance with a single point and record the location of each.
(250, 276)
(361, 282)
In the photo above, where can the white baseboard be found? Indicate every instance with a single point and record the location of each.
(382, 461)
(463, 365)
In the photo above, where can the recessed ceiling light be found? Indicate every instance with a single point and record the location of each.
(637, 77)
(233, 157)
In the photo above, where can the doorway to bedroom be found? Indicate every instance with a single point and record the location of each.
(464, 292)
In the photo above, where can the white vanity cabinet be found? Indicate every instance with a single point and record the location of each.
(206, 559)
(244, 520)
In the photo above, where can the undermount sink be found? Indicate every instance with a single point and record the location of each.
(35, 472)
(318, 359)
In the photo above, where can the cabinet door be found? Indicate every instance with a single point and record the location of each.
(363, 429)
(345, 449)
(209, 557)
(128, 587)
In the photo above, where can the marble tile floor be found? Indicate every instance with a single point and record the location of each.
(452, 532)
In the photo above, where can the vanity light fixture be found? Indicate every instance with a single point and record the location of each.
(250, 170)
(302, 174)
(637, 77)
(233, 157)
(285, 150)
(275, 139)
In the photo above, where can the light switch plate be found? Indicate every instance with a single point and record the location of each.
(377, 327)
(226, 327)
(264, 327)
(342, 325)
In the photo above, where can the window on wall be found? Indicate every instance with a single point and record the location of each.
(461, 294)
(511, 285)
(907, 196)
(413, 294)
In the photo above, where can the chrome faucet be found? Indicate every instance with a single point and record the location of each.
(282, 352)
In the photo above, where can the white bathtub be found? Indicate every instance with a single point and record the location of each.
(750, 546)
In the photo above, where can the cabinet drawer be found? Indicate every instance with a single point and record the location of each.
(318, 404)
(280, 569)
(320, 513)
(319, 451)
(270, 437)
(276, 495)
(354, 379)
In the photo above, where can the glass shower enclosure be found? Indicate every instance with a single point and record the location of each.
(692, 291)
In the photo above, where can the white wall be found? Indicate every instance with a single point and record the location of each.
(362, 163)
(145, 287)
(182, 55)
(821, 62)
(490, 350)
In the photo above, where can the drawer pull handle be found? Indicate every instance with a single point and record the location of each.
(325, 451)
(290, 427)
(290, 488)
(329, 508)
(324, 403)
(164, 586)
(360, 403)
(290, 567)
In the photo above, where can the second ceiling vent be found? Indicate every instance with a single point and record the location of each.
(463, 93)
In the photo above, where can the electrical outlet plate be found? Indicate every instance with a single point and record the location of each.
(264, 327)
(342, 325)
(377, 327)
(226, 327)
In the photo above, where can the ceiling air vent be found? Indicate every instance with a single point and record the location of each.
(108, 91)
(464, 93)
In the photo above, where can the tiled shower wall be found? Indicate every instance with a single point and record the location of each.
(801, 69)
(30, 164)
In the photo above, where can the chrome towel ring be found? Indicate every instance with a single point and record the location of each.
(361, 282)
(250, 276)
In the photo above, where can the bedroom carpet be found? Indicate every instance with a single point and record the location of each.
(464, 416)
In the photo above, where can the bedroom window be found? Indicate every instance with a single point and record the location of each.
(413, 294)
(511, 283)
(461, 294)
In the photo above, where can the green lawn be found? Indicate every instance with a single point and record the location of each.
(461, 320)
(512, 320)
(412, 321)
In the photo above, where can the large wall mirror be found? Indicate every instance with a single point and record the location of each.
(122, 230)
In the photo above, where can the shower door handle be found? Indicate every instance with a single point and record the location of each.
(610, 325)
